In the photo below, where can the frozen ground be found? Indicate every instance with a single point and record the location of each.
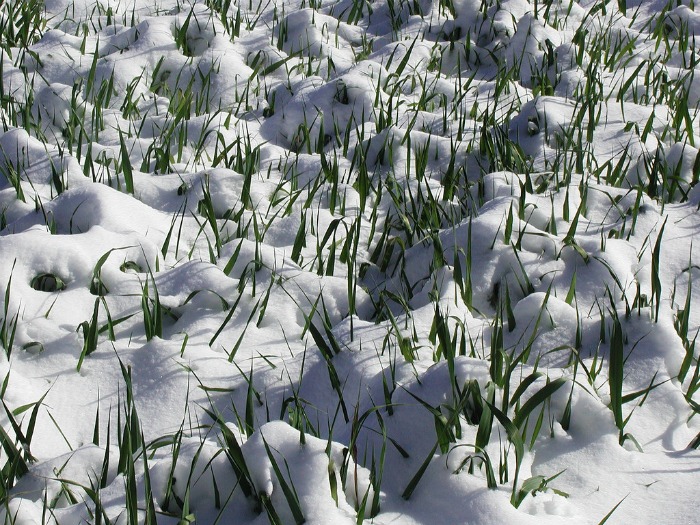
(396, 262)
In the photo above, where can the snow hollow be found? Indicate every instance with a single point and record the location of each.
(349, 261)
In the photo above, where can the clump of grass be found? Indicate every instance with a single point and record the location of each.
(21, 24)
(17, 451)
(13, 175)
(152, 309)
(328, 347)
(132, 445)
(412, 119)
(234, 454)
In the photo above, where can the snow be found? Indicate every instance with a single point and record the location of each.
(352, 261)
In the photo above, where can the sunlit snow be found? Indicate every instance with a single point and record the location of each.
(345, 261)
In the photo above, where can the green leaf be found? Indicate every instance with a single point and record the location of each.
(537, 399)
(126, 165)
(607, 516)
(408, 491)
(289, 492)
(656, 271)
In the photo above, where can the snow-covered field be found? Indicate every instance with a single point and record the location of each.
(346, 261)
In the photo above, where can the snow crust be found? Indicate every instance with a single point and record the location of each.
(301, 312)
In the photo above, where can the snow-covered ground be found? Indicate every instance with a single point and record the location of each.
(345, 261)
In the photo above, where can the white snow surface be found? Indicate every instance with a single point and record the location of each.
(315, 261)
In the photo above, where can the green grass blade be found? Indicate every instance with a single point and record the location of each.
(408, 491)
(289, 492)
(537, 399)
(126, 165)
(607, 516)
(616, 371)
